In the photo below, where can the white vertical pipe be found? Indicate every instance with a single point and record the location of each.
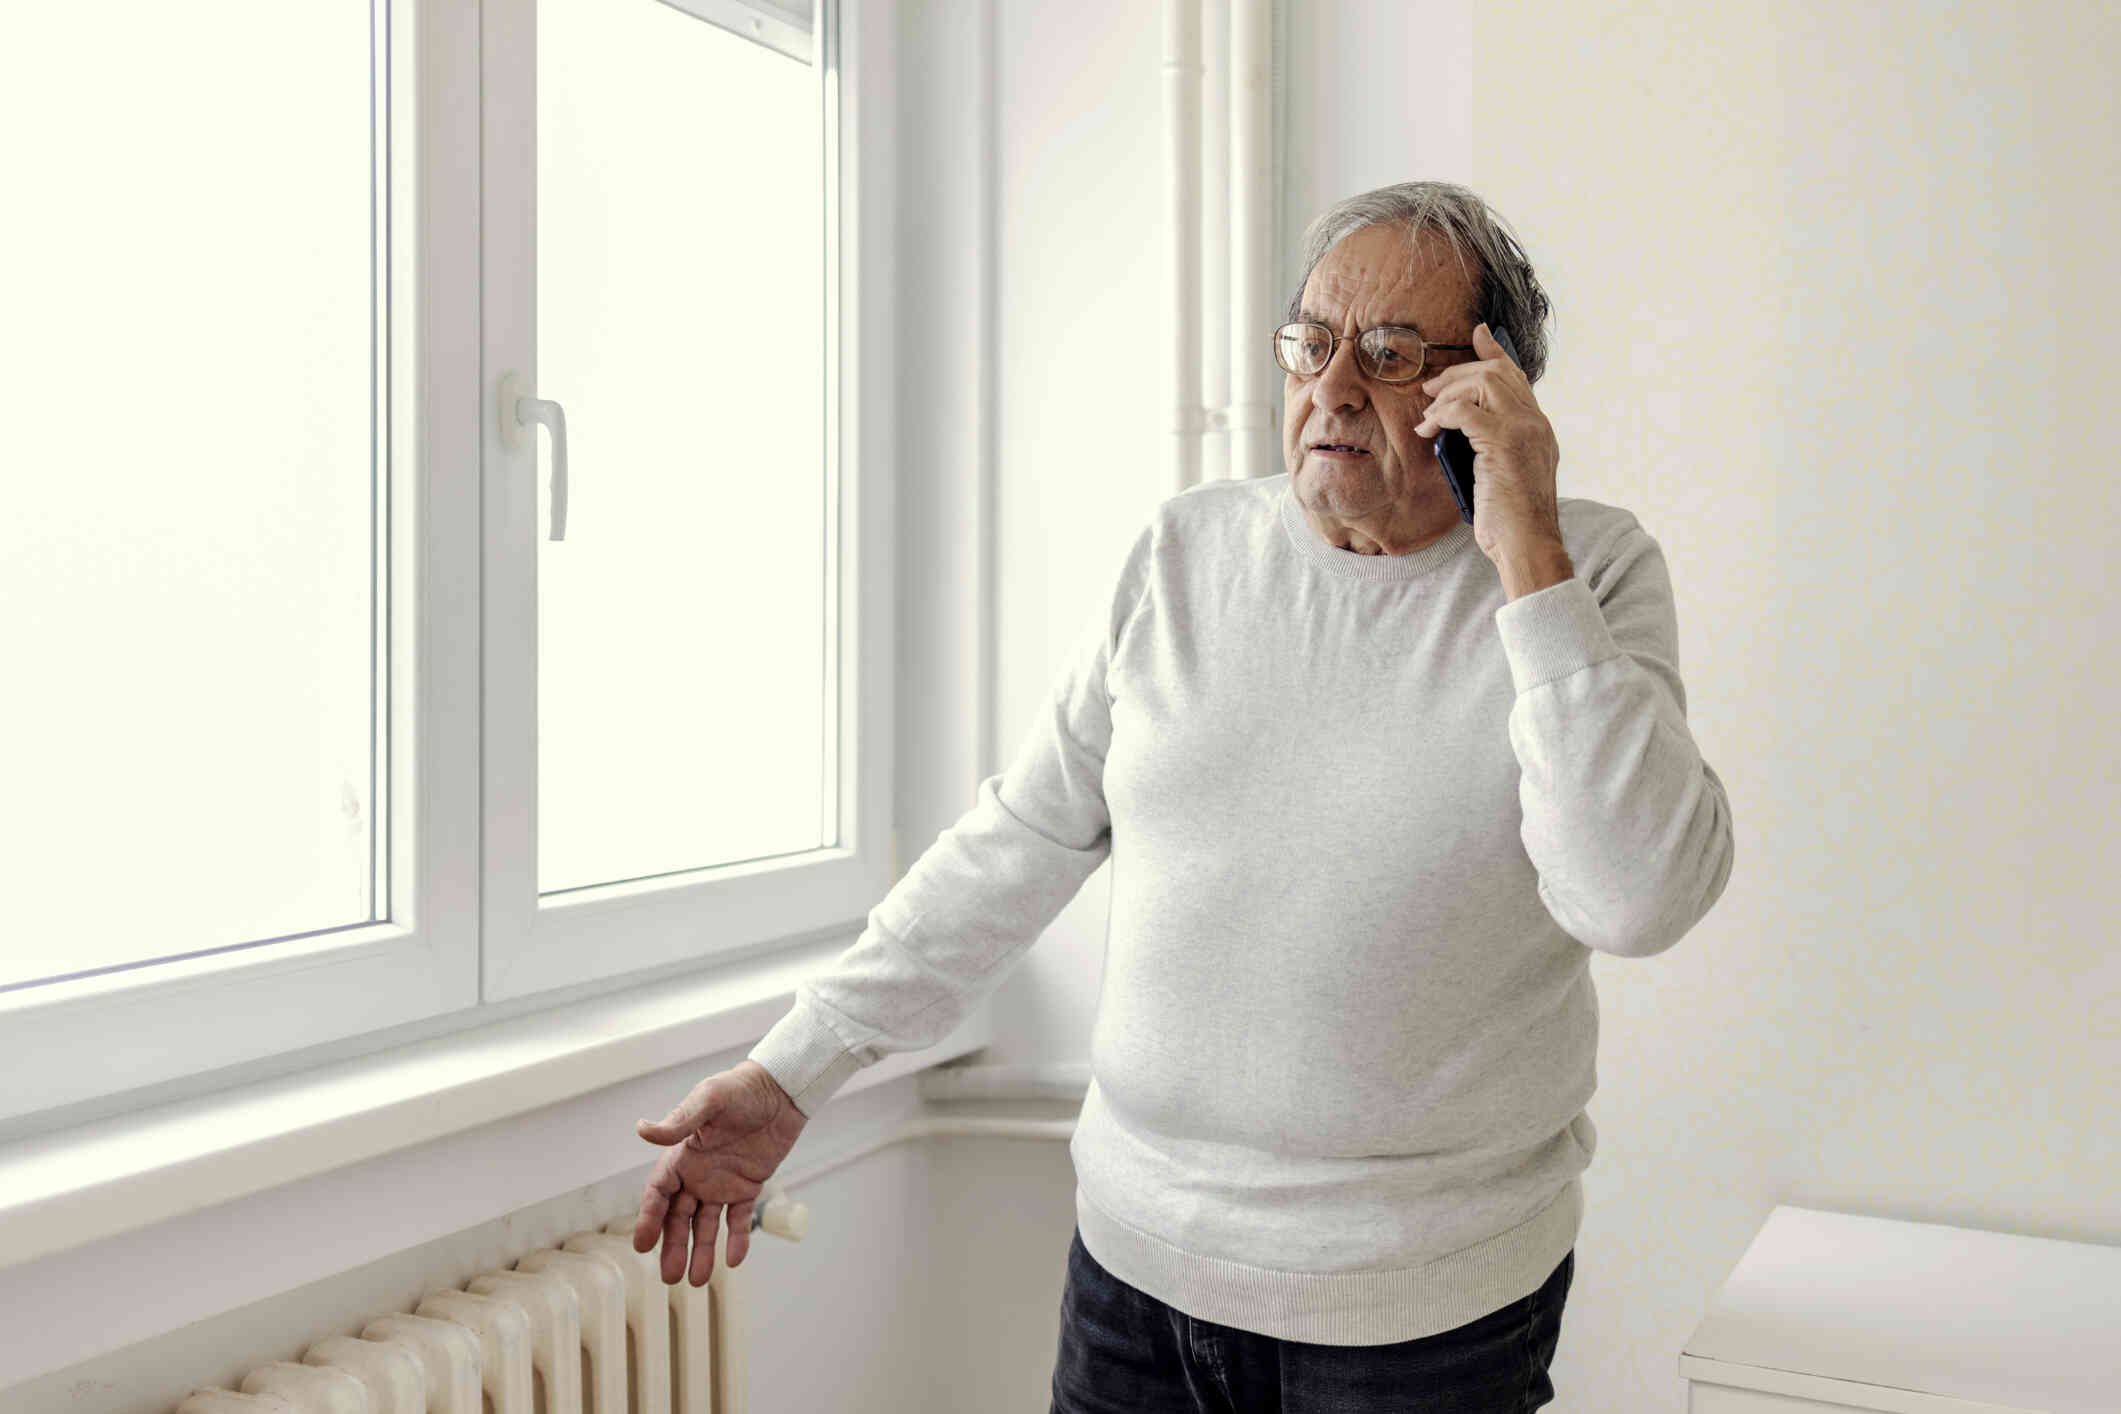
(1182, 249)
(1255, 444)
(1216, 461)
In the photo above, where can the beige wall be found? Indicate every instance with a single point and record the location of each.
(1837, 294)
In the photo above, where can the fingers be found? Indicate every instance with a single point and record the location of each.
(1458, 411)
(655, 1204)
(675, 1228)
(679, 1205)
(1444, 412)
(704, 1224)
(695, 1109)
(1475, 382)
(740, 1231)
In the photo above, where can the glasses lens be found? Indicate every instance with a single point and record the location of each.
(1302, 348)
(1392, 355)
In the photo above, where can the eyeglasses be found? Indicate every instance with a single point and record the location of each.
(1388, 353)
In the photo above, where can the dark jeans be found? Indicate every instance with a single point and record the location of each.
(1123, 1350)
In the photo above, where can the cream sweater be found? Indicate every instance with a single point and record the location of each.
(1367, 821)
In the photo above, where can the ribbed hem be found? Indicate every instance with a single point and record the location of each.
(1346, 564)
(1351, 1308)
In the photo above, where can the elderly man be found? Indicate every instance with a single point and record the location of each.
(1372, 800)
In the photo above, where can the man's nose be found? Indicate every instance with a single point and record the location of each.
(1340, 384)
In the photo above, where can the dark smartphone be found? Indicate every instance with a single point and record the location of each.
(1455, 453)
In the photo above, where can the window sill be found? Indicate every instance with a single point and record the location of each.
(413, 1142)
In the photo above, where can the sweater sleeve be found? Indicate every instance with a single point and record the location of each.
(943, 937)
(1628, 827)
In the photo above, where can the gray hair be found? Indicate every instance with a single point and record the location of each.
(1508, 295)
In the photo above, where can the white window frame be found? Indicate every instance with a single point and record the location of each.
(468, 943)
(535, 944)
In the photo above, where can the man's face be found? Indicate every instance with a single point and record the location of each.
(1362, 282)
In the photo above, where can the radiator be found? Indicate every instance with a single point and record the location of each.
(587, 1327)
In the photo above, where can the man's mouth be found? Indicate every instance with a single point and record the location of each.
(1338, 449)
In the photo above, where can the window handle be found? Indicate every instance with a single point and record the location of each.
(519, 411)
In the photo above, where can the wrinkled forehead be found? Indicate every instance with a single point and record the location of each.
(1377, 276)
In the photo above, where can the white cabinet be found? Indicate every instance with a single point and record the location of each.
(1832, 1312)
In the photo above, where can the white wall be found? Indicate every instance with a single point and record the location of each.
(1837, 299)
(1083, 441)
(1376, 92)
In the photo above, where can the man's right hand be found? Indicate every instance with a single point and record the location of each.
(729, 1135)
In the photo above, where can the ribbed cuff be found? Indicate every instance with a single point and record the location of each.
(806, 1056)
(1553, 632)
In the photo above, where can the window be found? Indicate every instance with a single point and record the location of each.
(330, 716)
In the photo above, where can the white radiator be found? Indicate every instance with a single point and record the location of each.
(587, 1327)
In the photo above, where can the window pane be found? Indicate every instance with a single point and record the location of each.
(186, 590)
(680, 322)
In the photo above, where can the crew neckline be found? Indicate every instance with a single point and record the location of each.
(1347, 564)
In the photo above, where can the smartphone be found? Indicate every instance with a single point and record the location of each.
(1455, 453)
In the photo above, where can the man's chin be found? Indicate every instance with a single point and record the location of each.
(1360, 471)
(1347, 489)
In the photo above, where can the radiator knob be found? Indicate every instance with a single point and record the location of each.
(782, 1216)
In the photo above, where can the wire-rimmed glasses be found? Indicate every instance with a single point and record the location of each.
(1390, 353)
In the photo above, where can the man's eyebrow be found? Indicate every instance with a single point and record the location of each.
(1306, 316)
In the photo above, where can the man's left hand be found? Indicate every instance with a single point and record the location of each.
(1515, 510)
